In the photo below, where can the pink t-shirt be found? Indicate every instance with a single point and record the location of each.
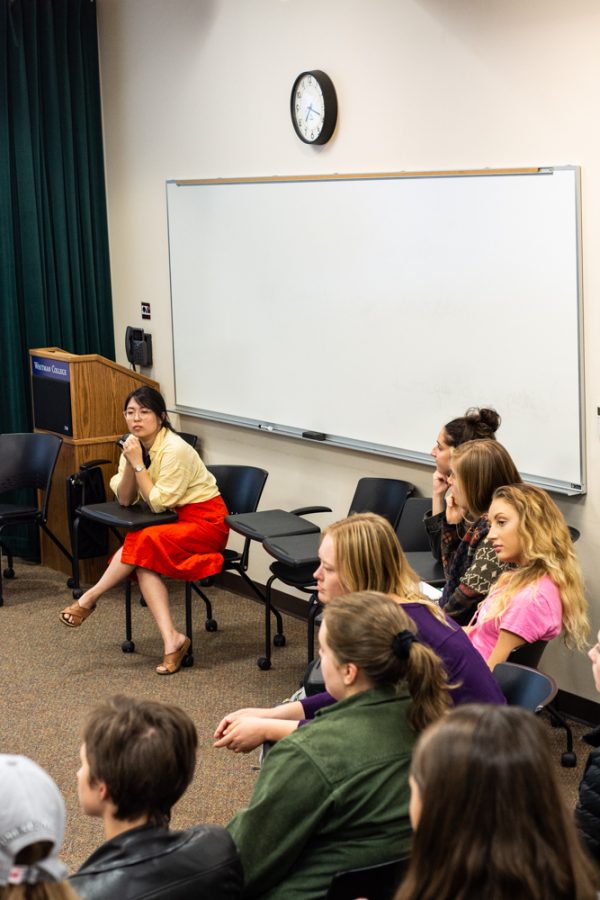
(535, 614)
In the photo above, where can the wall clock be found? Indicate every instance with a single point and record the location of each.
(313, 105)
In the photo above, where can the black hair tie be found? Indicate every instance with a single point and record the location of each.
(402, 642)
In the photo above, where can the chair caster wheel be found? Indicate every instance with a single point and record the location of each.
(127, 646)
(568, 760)
(70, 582)
(211, 625)
(142, 601)
(279, 640)
(188, 661)
(77, 593)
(263, 663)
(9, 573)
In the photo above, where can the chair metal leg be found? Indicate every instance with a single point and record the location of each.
(264, 662)
(73, 582)
(568, 759)
(210, 623)
(127, 646)
(314, 607)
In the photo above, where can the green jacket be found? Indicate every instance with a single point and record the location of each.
(331, 796)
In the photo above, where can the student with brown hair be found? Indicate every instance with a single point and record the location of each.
(137, 760)
(475, 425)
(334, 795)
(490, 821)
(470, 564)
(362, 553)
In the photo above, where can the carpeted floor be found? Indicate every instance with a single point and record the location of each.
(52, 676)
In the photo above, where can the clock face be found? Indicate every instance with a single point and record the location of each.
(314, 107)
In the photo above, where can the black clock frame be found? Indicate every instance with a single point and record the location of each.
(329, 101)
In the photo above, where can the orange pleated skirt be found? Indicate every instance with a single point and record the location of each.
(189, 549)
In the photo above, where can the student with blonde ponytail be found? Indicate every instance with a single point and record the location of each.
(544, 594)
(335, 795)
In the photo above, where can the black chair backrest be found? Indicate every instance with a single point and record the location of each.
(28, 461)
(574, 532)
(525, 687)
(410, 529)
(191, 439)
(384, 496)
(373, 882)
(528, 654)
(240, 486)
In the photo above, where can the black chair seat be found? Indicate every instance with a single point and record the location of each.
(298, 576)
(378, 882)
(525, 687)
(10, 513)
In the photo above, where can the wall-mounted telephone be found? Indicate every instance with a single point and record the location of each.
(138, 346)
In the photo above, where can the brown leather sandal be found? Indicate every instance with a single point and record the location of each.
(78, 613)
(172, 661)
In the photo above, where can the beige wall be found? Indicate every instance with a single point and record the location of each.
(200, 88)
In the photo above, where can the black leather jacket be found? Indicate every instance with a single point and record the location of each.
(587, 811)
(151, 862)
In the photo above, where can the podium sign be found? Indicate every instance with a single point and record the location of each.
(51, 392)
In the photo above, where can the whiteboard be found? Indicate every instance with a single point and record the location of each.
(373, 309)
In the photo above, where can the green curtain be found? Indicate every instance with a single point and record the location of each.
(54, 264)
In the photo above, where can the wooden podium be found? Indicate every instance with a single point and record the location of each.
(81, 398)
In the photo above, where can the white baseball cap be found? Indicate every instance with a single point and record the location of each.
(31, 810)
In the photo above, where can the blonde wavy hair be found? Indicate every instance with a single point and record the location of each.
(548, 550)
(361, 628)
(368, 557)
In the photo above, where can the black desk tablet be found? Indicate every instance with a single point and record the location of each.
(269, 523)
(427, 568)
(131, 518)
(295, 550)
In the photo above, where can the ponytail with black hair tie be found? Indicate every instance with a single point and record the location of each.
(402, 643)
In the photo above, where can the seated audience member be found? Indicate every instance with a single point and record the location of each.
(587, 812)
(475, 425)
(470, 564)
(32, 825)
(544, 594)
(157, 467)
(362, 553)
(491, 822)
(334, 795)
(137, 759)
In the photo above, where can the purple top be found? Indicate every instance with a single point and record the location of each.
(463, 663)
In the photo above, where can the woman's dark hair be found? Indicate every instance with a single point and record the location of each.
(145, 752)
(493, 822)
(152, 400)
(476, 424)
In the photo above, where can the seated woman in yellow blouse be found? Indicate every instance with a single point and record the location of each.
(161, 469)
